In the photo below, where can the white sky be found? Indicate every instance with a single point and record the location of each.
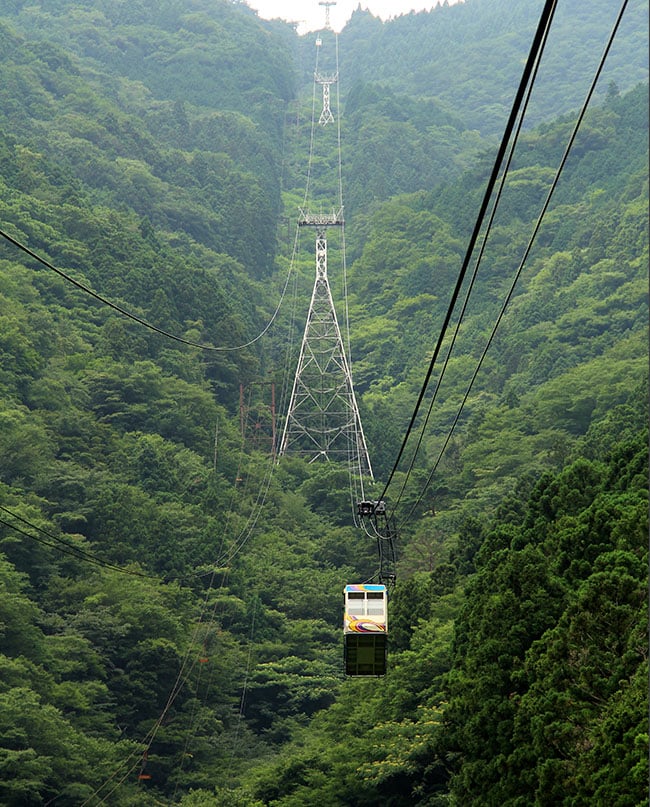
(311, 16)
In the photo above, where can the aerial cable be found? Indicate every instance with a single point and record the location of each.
(312, 130)
(288, 353)
(356, 484)
(477, 264)
(225, 556)
(186, 668)
(544, 22)
(193, 722)
(254, 516)
(138, 757)
(66, 548)
(60, 545)
(338, 122)
(112, 779)
(182, 680)
(540, 35)
(129, 315)
(449, 435)
(244, 693)
(285, 390)
(529, 246)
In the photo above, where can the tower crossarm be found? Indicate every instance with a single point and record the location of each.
(332, 219)
(320, 79)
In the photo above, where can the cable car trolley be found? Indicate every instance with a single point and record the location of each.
(365, 629)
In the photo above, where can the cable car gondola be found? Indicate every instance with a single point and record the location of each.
(365, 629)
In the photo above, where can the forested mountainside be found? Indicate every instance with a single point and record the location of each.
(433, 55)
(170, 600)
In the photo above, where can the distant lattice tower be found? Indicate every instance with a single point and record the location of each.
(326, 115)
(327, 4)
(323, 420)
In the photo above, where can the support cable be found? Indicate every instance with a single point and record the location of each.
(66, 548)
(529, 246)
(242, 701)
(357, 491)
(288, 353)
(138, 758)
(477, 264)
(139, 320)
(544, 21)
(311, 134)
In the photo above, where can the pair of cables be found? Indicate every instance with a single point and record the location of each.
(500, 169)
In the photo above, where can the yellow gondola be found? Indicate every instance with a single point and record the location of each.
(365, 629)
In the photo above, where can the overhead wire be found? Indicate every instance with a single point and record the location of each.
(244, 693)
(66, 548)
(289, 344)
(139, 758)
(356, 481)
(312, 133)
(527, 250)
(193, 719)
(544, 21)
(140, 320)
(254, 516)
(477, 264)
(186, 668)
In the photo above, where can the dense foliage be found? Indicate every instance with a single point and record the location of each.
(170, 598)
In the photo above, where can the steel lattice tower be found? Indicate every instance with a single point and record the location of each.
(323, 418)
(322, 421)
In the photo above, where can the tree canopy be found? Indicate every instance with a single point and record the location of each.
(170, 603)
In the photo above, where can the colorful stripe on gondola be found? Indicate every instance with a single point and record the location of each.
(364, 625)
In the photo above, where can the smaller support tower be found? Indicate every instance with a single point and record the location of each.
(323, 419)
(257, 417)
(326, 115)
(327, 4)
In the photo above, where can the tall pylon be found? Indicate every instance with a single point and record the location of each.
(323, 421)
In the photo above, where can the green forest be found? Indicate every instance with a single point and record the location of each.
(170, 591)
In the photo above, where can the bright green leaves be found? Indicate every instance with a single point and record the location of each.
(39, 748)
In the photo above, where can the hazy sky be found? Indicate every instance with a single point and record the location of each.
(311, 16)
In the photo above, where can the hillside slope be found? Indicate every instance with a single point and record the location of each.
(170, 597)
